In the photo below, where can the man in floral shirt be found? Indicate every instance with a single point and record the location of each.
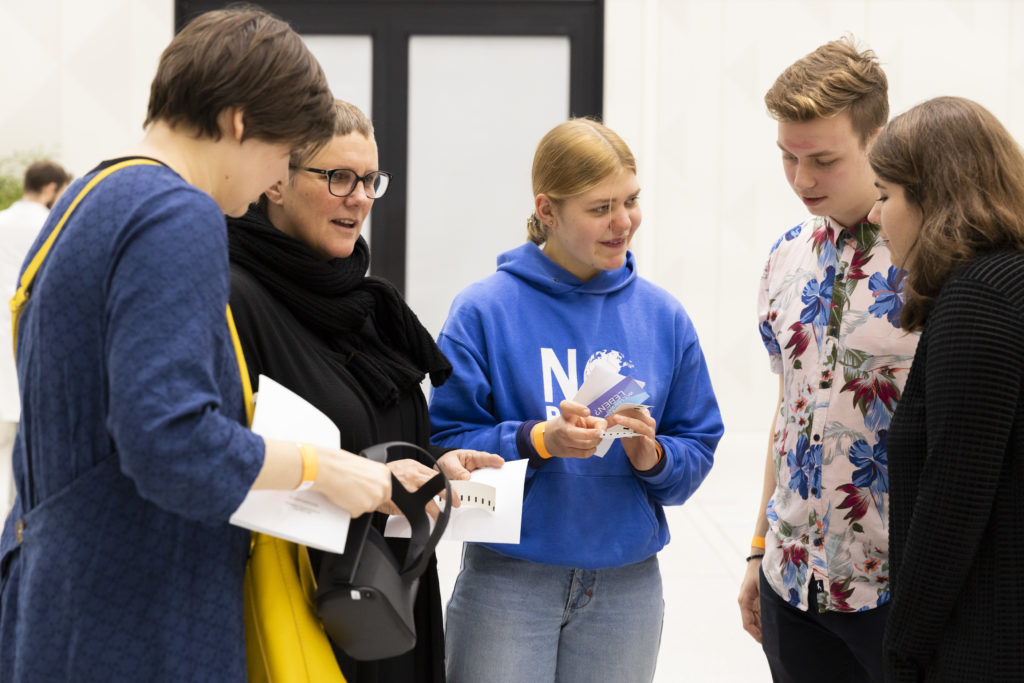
(829, 307)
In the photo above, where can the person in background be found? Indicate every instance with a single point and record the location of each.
(310, 318)
(580, 597)
(19, 225)
(117, 562)
(816, 587)
(951, 204)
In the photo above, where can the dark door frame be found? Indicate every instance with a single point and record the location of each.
(391, 23)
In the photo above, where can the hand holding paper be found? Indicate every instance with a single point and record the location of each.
(495, 516)
(637, 421)
(574, 433)
(304, 517)
(607, 393)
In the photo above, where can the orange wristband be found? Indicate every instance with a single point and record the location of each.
(757, 542)
(310, 465)
(537, 437)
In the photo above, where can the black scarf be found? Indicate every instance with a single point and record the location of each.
(336, 299)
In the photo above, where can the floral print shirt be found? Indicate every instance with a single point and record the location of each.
(829, 308)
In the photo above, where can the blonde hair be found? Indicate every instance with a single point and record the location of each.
(835, 78)
(348, 118)
(572, 158)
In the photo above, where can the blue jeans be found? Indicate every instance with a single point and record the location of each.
(514, 620)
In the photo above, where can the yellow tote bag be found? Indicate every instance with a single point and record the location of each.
(285, 641)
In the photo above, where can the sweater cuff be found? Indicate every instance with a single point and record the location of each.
(658, 467)
(524, 444)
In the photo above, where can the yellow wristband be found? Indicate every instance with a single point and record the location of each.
(537, 437)
(310, 464)
(757, 542)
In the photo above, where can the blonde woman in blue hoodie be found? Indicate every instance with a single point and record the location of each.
(580, 597)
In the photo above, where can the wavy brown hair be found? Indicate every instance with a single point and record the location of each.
(956, 163)
(837, 77)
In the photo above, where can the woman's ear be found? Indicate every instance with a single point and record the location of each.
(545, 210)
(232, 123)
(237, 124)
(274, 193)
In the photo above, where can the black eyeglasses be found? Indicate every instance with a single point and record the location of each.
(342, 181)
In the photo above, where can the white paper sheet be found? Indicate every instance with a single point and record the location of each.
(477, 524)
(302, 517)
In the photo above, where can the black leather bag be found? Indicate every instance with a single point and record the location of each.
(365, 597)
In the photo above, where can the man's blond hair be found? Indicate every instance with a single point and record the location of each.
(835, 78)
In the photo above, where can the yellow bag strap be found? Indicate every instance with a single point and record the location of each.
(246, 384)
(20, 297)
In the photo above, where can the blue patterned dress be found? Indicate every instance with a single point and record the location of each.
(131, 456)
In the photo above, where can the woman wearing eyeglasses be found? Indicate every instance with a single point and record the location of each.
(310, 318)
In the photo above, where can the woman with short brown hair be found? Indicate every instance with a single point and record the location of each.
(118, 562)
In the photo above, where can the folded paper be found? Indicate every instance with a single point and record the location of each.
(304, 517)
(474, 522)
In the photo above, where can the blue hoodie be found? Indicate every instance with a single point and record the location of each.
(520, 341)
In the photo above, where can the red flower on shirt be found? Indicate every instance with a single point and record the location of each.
(794, 554)
(879, 385)
(840, 591)
(857, 263)
(857, 499)
(798, 341)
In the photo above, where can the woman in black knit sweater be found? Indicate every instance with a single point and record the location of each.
(951, 204)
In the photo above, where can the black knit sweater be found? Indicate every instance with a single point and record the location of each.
(956, 468)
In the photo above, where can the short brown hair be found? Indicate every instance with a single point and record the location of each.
(246, 58)
(957, 163)
(836, 77)
(348, 118)
(572, 158)
(41, 173)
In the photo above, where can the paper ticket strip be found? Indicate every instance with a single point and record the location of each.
(622, 431)
(479, 518)
(474, 494)
(606, 392)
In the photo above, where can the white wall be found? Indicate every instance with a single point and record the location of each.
(75, 78)
(684, 82)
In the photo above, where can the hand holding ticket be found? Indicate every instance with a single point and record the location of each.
(620, 431)
(606, 392)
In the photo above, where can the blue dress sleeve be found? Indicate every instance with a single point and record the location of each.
(174, 389)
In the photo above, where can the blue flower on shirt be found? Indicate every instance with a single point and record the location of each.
(817, 299)
(790, 234)
(888, 293)
(768, 337)
(805, 468)
(872, 465)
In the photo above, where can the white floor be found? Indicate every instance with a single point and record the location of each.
(702, 566)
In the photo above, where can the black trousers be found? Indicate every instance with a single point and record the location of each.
(810, 647)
